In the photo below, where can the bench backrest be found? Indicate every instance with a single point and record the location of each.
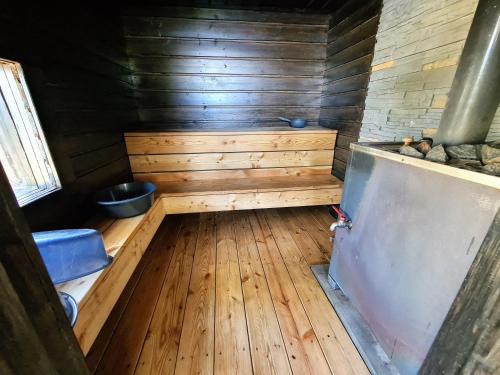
(199, 155)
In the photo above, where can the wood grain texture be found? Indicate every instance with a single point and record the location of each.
(232, 174)
(334, 340)
(262, 321)
(125, 348)
(126, 240)
(248, 185)
(351, 40)
(303, 349)
(159, 351)
(222, 29)
(233, 160)
(247, 201)
(196, 348)
(312, 252)
(171, 143)
(232, 349)
(266, 344)
(230, 58)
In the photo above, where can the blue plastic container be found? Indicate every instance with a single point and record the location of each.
(72, 253)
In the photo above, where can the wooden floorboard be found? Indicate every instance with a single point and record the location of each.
(234, 295)
(126, 344)
(266, 343)
(196, 347)
(304, 352)
(159, 352)
(232, 351)
(336, 344)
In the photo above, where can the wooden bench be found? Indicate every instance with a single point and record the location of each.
(262, 169)
(96, 294)
(219, 171)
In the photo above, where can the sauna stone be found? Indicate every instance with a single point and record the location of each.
(410, 151)
(490, 155)
(462, 152)
(437, 154)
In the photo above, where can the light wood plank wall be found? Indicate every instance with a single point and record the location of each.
(185, 156)
(218, 69)
(349, 53)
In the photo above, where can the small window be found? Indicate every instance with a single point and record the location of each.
(24, 153)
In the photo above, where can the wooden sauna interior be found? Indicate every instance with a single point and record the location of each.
(215, 278)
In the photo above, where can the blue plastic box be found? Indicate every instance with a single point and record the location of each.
(72, 253)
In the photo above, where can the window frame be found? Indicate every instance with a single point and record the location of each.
(15, 93)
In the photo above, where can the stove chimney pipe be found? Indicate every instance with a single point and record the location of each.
(475, 91)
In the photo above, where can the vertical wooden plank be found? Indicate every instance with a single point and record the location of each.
(125, 346)
(196, 347)
(337, 346)
(303, 349)
(102, 341)
(267, 347)
(232, 351)
(160, 347)
(30, 310)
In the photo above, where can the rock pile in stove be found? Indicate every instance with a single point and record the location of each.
(480, 158)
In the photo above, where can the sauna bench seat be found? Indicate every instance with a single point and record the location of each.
(125, 240)
(200, 171)
(249, 193)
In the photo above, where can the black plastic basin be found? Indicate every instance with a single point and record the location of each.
(126, 200)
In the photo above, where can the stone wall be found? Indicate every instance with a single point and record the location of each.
(418, 47)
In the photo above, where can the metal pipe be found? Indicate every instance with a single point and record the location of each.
(475, 91)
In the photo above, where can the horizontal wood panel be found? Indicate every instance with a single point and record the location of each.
(356, 67)
(344, 141)
(339, 168)
(220, 29)
(360, 33)
(283, 129)
(233, 160)
(357, 82)
(174, 98)
(228, 14)
(229, 174)
(351, 98)
(87, 162)
(349, 128)
(353, 52)
(263, 114)
(342, 113)
(247, 185)
(351, 41)
(163, 144)
(227, 83)
(246, 201)
(356, 18)
(217, 65)
(143, 46)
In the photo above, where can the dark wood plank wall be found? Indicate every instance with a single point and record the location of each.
(209, 68)
(77, 72)
(349, 53)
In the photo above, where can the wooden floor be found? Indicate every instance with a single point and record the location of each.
(229, 293)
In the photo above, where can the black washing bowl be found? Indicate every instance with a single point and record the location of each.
(126, 200)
